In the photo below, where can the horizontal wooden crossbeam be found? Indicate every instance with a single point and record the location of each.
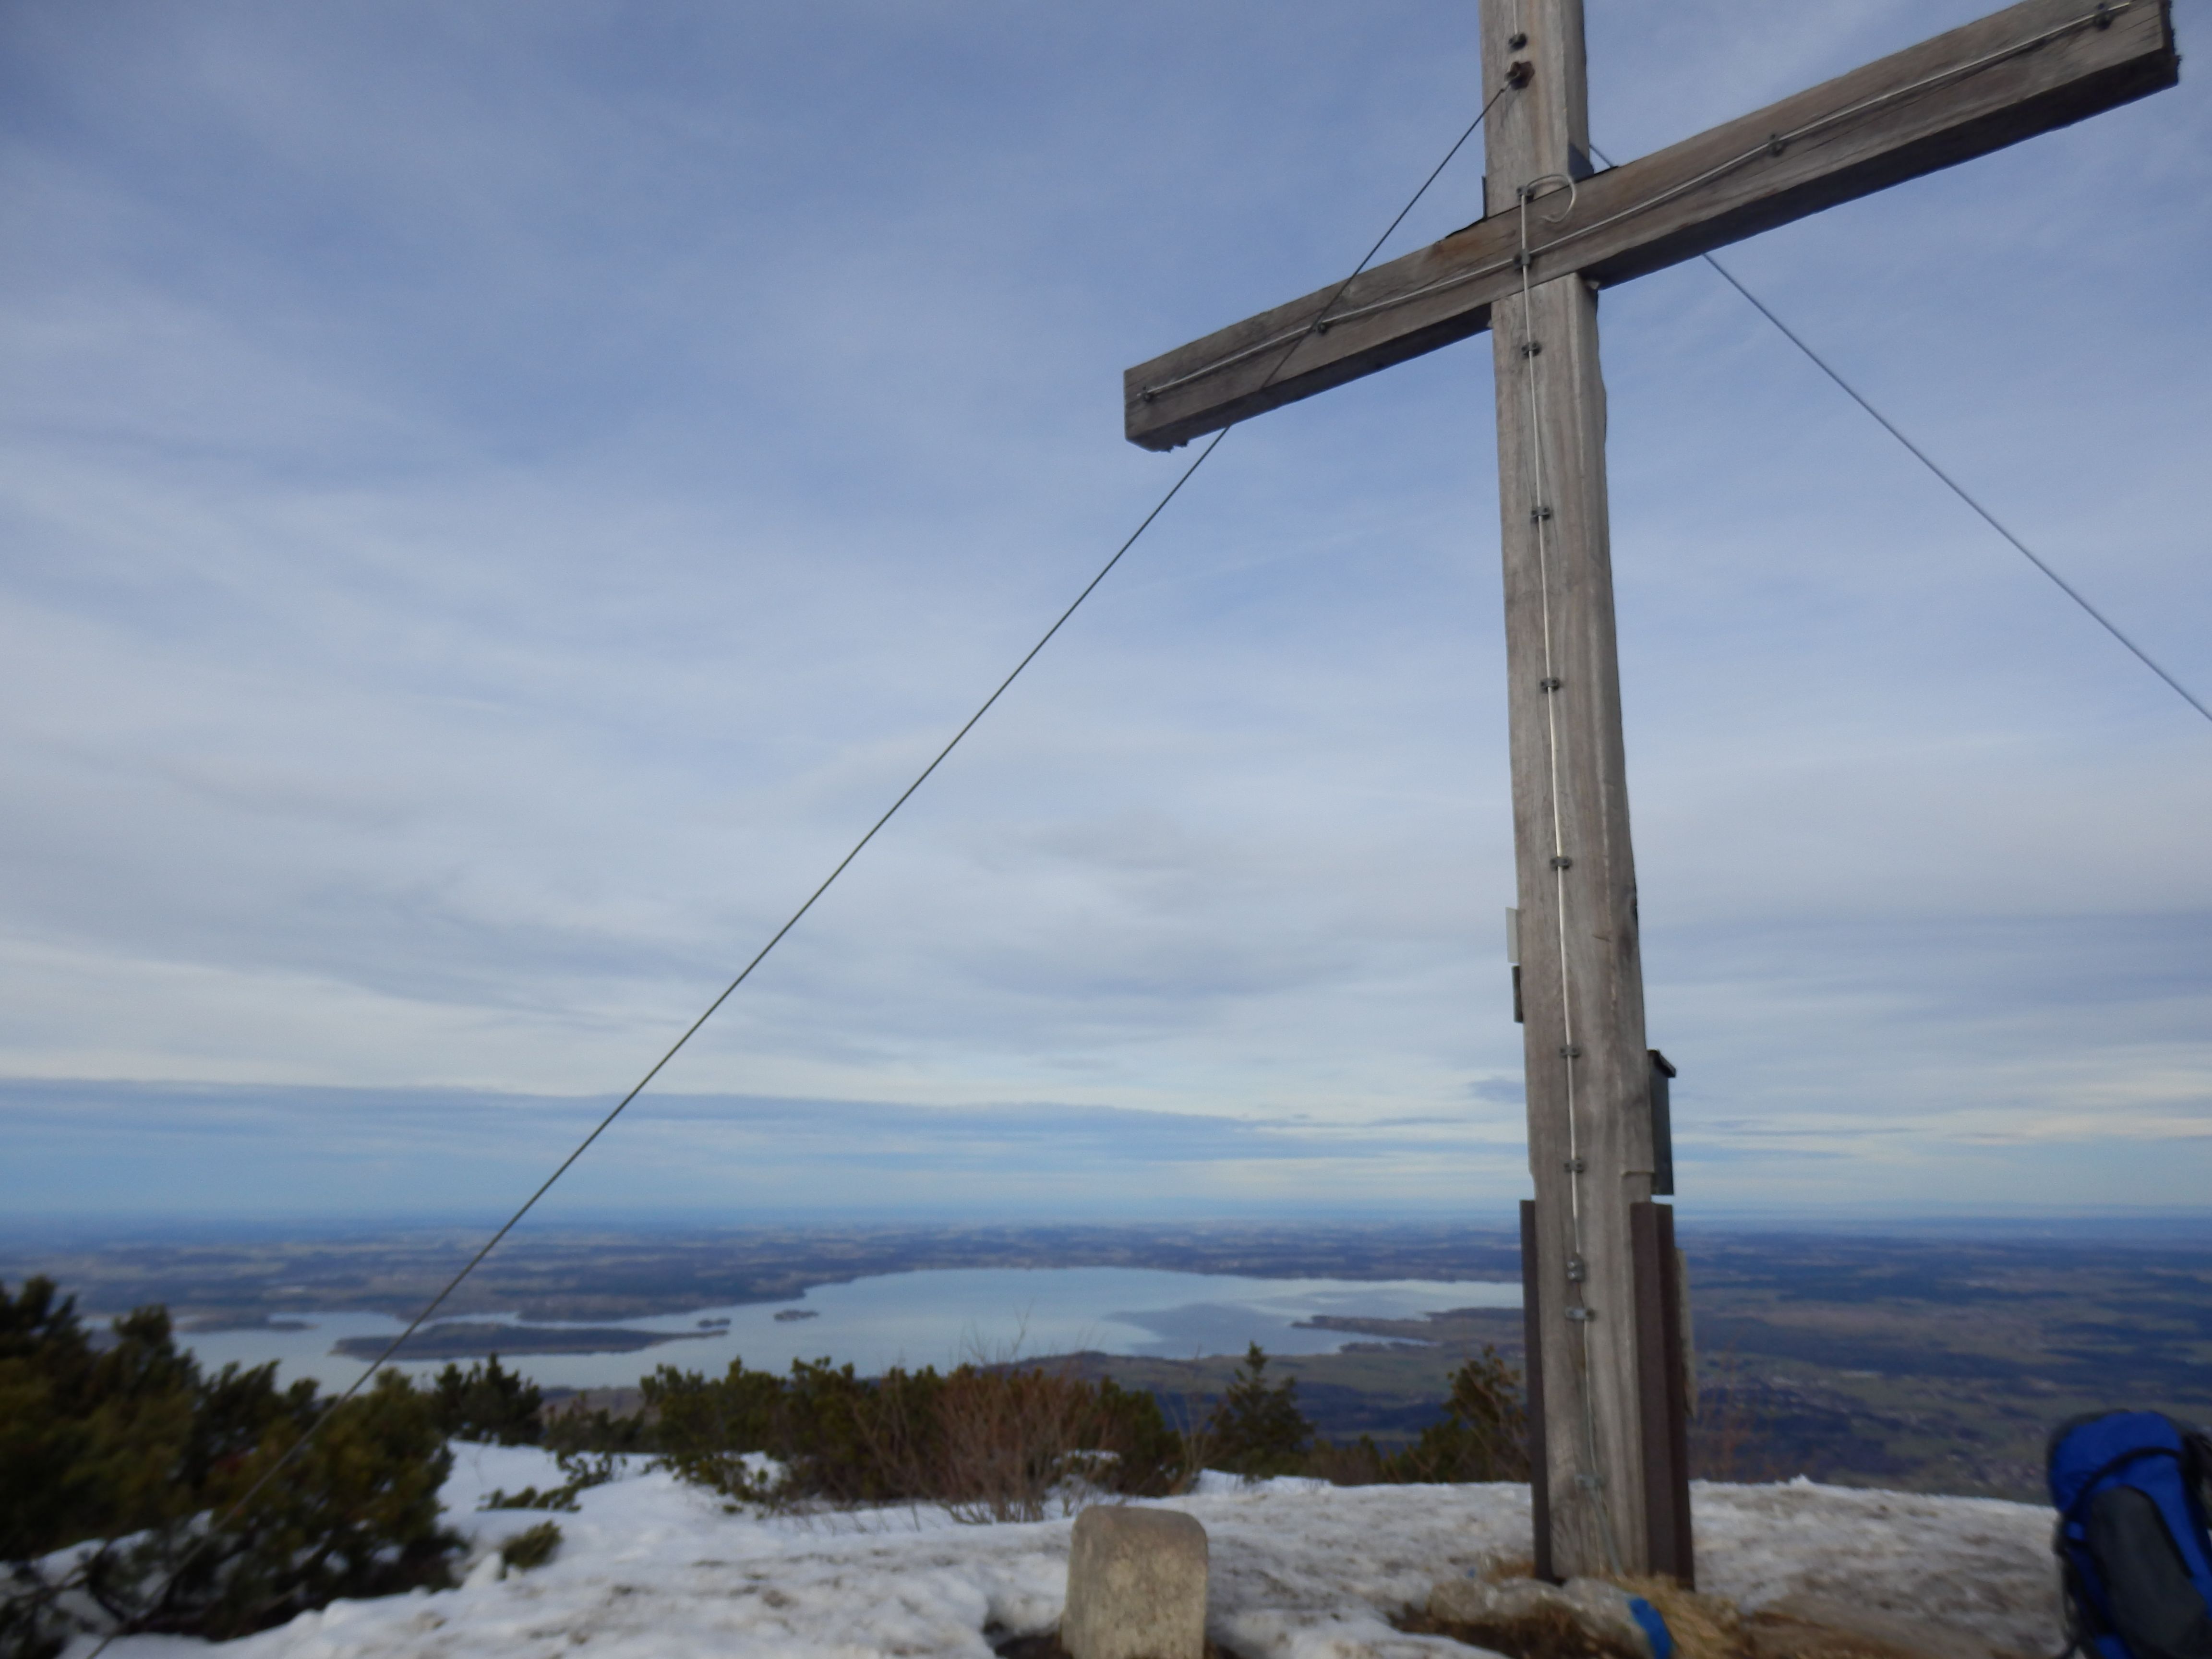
(2035, 66)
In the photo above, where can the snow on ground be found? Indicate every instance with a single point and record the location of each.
(1300, 1570)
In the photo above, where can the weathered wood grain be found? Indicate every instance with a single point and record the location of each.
(1581, 974)
(2032, 67)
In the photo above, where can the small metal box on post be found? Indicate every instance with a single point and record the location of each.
(1513, 959)
(1662, 1126)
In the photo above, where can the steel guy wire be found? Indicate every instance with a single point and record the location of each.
(392, 1347)
(1772, 145)
(1947, 480)
(1321, 321)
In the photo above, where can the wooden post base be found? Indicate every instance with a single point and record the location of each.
(1664, 1388)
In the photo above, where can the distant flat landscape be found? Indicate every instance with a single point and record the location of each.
(609, 1273)
(1935, 1360)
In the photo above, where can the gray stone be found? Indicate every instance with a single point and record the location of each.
(1136, 1585)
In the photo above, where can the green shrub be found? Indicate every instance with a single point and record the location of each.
(91, 1443)
(583, 1474)
(573, 1431)
(1148, 1454)
(1255, 1430)
(992, 1441)
(487, 1402)
(532, 1549)
(1482, 1436)
(530, 1498)
(135, 1444)
(846, 1438)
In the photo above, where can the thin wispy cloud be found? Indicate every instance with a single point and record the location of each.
(494, 502)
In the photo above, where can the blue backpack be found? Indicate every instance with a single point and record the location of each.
(2134, 1559)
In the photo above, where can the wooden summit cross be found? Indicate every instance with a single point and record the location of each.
(1606, 1392)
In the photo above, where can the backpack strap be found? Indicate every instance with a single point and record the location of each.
(2080, 1614)
(2113, 1466)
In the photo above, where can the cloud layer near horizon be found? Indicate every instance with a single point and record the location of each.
(496, 502)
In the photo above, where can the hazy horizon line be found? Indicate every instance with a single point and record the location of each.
(24, 1228)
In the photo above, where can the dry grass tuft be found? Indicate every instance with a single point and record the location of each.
(1703, 1626)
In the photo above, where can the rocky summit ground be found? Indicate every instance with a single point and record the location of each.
(1300, 1570)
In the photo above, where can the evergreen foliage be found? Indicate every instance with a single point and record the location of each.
(1256, 1429)
(991, 1442)
(487, 1402)
(574, 1432)
(530, 1548)
(131, 1453)
(118, 1458)
(583, 1473)
(1484, 1433)
(1482, 1436)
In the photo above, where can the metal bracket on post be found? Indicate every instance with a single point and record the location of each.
(1662, 1126)
(1513, 959)
(1532, 1367)
(1661, 1393)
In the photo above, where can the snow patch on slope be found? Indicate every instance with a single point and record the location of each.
(651, 1568)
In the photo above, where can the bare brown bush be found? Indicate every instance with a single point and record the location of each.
(1006, 1438)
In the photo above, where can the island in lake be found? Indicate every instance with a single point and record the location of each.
(789, 1315)
(464, 1339)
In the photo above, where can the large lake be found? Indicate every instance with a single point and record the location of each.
(937, 1318)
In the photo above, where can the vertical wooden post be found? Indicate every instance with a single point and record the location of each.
(1590, 1132)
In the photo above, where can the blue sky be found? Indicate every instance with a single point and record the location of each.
(495, 500)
